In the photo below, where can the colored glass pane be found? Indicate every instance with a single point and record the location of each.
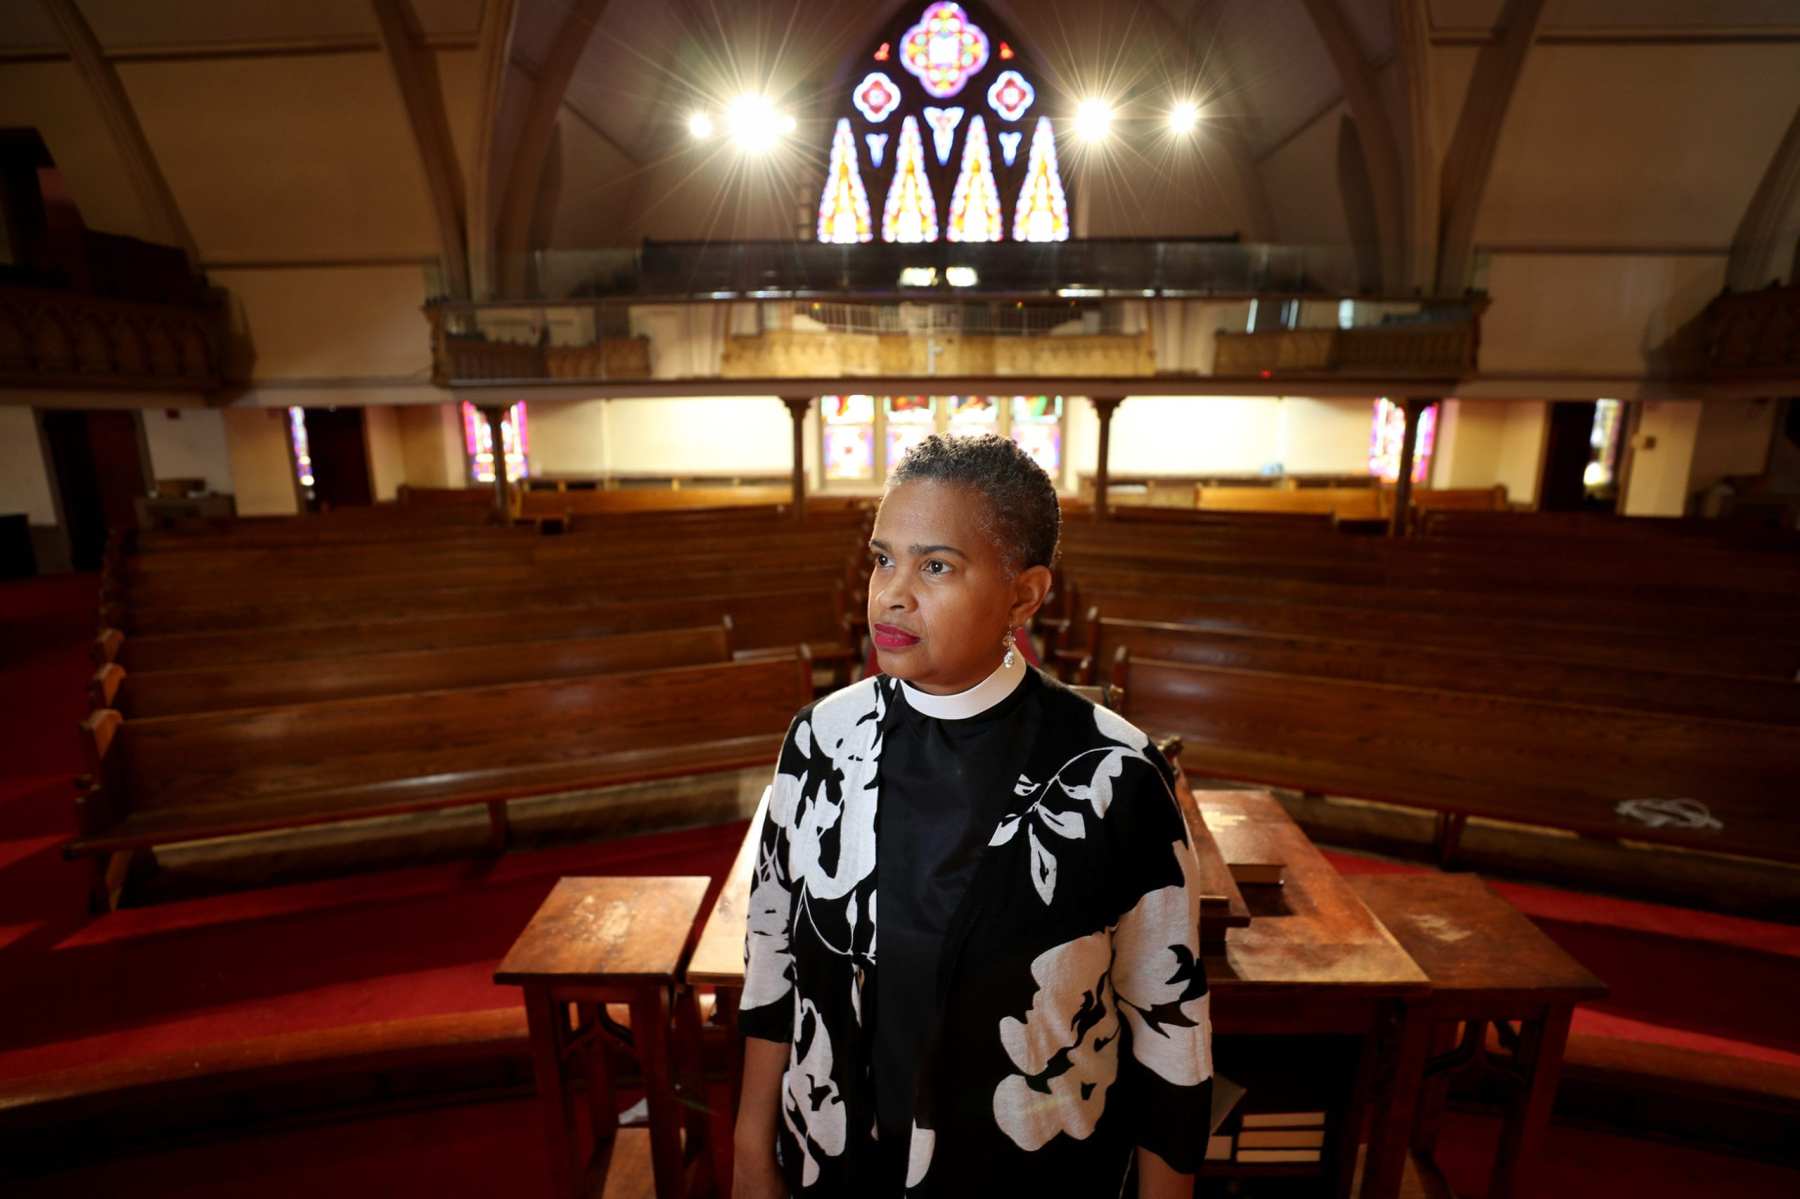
(847, 409)
(943, 122)
(1042, 213)
(1010, 95)
(901, 438)
(911, 410)
(910, 212)
(515, 436)
(844, 206)
(875, 97)
(971, 416)
(1009, 146)
(1043, 443)
(1388, 433)
(877, 143)
(302, 447)
(1037, 410)
(975, 201)
(849, 452)
(944, 49)
(1603, 445)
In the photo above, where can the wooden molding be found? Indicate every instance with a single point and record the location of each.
(122, 124)
(1753, 258)
(1363, 94)
(490, 156)
(415, 75)
(524, 175)
(1470, 158)
(1423, 194)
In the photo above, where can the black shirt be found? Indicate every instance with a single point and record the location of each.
(945, 783)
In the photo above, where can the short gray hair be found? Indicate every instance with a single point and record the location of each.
(1024, 517)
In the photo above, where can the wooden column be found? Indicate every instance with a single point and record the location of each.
(797, 406)
(1415, 407)
(1104, 407)
(495, 414)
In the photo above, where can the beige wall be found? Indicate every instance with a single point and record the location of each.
(1484, 442)
(735, 433)
(1733, 439)
(1519, 462)
(431, 445)
(189, 443)
(569, 437)
(24, 478)
(1662, 459)
(1184, 435)
(387, 458)
(260, 461)
(351, 323)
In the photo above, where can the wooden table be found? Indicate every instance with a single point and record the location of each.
(1315, 961)
(596, 941)
(1487, 964)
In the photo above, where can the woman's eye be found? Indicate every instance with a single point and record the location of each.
(880, 559)
(936, 566)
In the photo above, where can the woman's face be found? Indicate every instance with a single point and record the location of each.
(940, 596)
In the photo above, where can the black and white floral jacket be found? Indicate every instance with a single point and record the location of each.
(1072, 1022)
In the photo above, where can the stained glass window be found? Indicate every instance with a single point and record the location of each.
(302, 447)
(1037, 427)
(971, 416)
(975, 204)
(849, 437)
(1388, 433)
(1042, 213)
(478, 441)
(910, 214)
(910, 420)
(844, 208)
(944, 49)
(1603, 445)
(972, 103)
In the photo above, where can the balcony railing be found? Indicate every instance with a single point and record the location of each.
(1754, 335)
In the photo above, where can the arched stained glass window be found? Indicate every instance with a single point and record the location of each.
(942, 126)
(479, 443)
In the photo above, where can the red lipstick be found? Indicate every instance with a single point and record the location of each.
(888, 637)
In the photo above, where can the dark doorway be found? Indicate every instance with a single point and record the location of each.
(340, 459)
(1566, 457)
(99, 464)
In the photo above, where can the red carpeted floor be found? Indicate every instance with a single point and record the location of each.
(76, 990)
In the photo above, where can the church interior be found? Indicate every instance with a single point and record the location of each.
(419, 419)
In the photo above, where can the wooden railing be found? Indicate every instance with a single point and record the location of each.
(1754, 334)
(61, 339)
(1434, 349)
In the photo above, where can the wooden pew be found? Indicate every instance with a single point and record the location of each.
(1726, 786)
(1492, 671)
(310, 680)
(183, 778)
(761, 620)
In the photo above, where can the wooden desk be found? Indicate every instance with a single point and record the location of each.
(596, 941)
(1315, 961)
(1487, 963)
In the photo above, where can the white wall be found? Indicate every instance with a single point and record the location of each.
(24, 479)
(725, 434)
(1520, 460)
(260, 465)
(431, 444)
(189, 443)
(568, 437)
(1733, 439)
(387, 456)
(1185, 435)
(1662, 458)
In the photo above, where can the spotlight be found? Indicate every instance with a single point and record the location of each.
(1093, 120)
(700, 126)
(1183, 117)
(754, 124)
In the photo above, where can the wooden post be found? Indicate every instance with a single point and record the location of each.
(1415, 407)
(1103, 408)
(797, 406)
(495, 413)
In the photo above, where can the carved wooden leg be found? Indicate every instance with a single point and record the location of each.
(650, 1019)
(1540, 1056)
(1390, 1132)
(547, 1021)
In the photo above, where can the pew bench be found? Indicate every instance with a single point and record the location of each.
(184, 778)
(311, 680)
(1723, 786)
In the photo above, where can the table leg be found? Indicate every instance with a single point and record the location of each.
(1540, 1054)
(547, 1021)
(603, 1104)
(650, 1019)
(1434, 1095)
(691, 1071)
(1390, 1134)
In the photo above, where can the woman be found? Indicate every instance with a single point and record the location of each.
(1038, 1016)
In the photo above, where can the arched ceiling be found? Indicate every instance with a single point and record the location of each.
(282, 136)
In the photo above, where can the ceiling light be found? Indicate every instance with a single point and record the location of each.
(961, 276)
(753, 122)
(1184, 116)
(700, 126)
(1093, 120)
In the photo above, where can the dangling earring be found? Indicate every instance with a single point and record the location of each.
(1007, 641)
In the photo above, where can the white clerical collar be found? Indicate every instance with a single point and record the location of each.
(975, 700)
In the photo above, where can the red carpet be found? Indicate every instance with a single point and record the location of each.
(76, 990)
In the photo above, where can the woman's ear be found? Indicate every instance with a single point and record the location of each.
(1029, 590)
